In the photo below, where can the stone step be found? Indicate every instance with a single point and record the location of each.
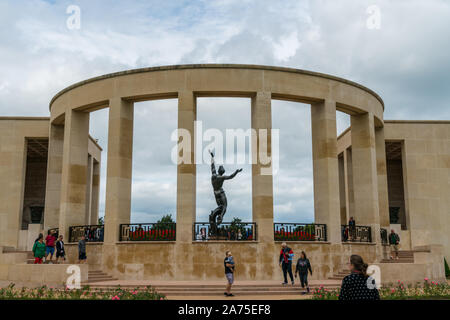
(100, 280)
(208, 287)
(397, 261)
(235, 292)
(219, 293)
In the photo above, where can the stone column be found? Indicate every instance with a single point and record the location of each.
(325, 168)
(349, 177)
(262, 180)
(342, 189)
(186, 170)
(88, 190)
(382, 178)
(346, 186)
(119, 167)
(95, 192)
(54, 171)
(365, 180)
(74, 166)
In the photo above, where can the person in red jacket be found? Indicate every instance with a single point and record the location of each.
(50, 241)
(286, 256)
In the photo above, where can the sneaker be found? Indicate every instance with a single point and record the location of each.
(284, 283)
(292, 282)
(230, 295)
(225, 293)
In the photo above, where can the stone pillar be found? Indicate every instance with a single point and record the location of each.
(119, 167)
(365, 180)
(95, 192)
(262, 181)
(74, 166)
(54, 171)
(88, 190)
(342, 189)
(186, 170)
(325, 168)
(349, 183)
(382, 178)
(346, 186)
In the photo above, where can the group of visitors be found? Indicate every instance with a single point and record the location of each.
(302, 267)
(43, 251)
(358, 285)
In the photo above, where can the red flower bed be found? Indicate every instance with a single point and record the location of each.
(153, 235)
(294, 236)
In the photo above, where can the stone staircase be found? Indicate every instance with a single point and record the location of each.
(404, 256)
(341, 274)
(216, 290)
(98, 276)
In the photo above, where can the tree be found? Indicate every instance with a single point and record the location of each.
(237, 225)
(166, 222)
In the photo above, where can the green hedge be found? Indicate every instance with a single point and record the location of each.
(447, 269)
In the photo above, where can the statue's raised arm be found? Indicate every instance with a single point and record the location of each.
(213, 166)
(232, 175)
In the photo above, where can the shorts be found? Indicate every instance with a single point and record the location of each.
(230, 277)
(49, 250)
(394, 247)
(60, 254)
(37, 260)
(82, 256)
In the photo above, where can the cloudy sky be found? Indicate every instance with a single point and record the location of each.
(405, 60)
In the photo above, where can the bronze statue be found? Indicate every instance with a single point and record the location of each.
(216, 216)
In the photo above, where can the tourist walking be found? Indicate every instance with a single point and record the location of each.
(39, 249)
(50, 241)
(60, 252)
(352, 229)
(302, 268)
(228, 263)
(394, 241)
(82, 258)
(286, 256)
(358, 285)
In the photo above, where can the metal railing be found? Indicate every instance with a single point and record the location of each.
(148, 232)
(243, 231)
(93, 233)
(356, 233)
(299, 232)
(384, 236)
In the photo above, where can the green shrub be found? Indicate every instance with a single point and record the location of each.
(447, 269)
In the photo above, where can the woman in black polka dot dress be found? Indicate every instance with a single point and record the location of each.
(358, 285)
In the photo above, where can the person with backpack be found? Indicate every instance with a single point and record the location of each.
(60, 252)
(50, 246)
(286, 256)
(39, 249)
(358, 285)
(351, 229)
(228, 263)
(302, 268)
(82, 258)
(394, 241)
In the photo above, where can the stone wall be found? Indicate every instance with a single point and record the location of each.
(204, 260)
(426, 174)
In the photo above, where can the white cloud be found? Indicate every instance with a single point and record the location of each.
(406, 62)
